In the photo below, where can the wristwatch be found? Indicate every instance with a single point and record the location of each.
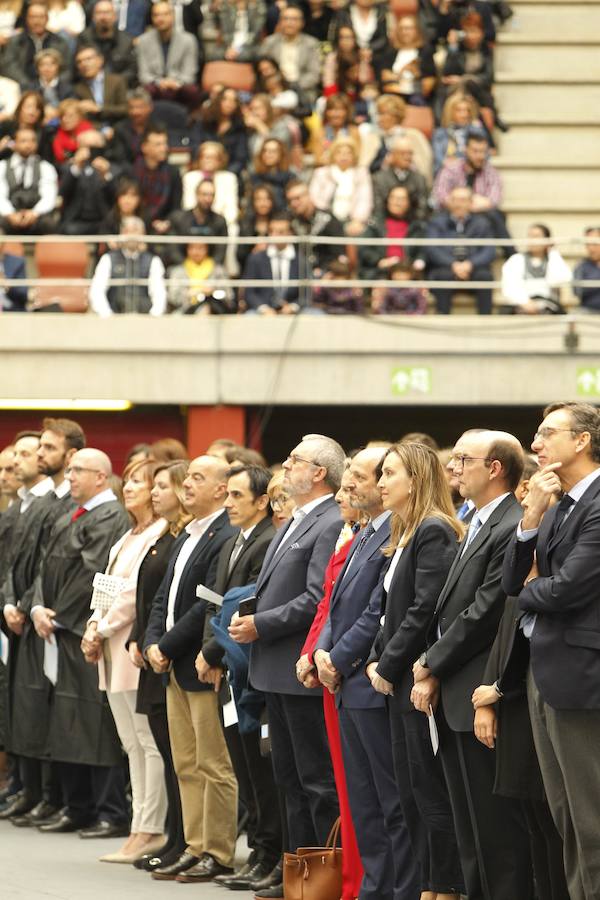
(423, 660)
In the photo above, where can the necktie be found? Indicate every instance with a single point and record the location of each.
(237, 549)
(462, 511)
(564, 505)
(367, 533)
(473, 529)
(79, 512)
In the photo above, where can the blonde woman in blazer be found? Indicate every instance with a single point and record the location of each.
(104, 643)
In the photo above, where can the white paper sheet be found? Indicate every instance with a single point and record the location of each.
(4, 648)
(204, 593)
(230, 715)
(433, 732)
(51, 659)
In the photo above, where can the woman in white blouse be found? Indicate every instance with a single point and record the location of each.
(104, 643)
(531, 281)
(423, 544)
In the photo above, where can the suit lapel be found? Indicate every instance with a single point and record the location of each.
(478, 541)
(568, 526)
(286, 543)
(373, 546)
(270, 554)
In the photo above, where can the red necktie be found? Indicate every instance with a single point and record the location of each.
(78, 513)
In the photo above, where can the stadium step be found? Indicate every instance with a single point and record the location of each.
(535, 23)
(548, 104)
(569, 64)
(554, 145)
(567, 189)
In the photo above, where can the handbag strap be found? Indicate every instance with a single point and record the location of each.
(332, 840)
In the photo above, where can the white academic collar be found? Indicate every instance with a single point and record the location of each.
(38, 490)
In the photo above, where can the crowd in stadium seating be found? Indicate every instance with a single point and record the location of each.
(386, 112)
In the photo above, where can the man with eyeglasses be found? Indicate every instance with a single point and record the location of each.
(288, 591)
(490, 829)
(559, 597)
(89, 762)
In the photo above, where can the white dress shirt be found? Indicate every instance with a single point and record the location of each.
(157, 289)
(196, 529)
(23, 169)
(576, 492)
(298, 515)
(28, 495)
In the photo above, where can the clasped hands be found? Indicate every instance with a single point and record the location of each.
(208, 674)
(91, 644)
(327, 673)
(426, 689)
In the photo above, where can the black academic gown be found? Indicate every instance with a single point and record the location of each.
(81, 728)
(31, 689)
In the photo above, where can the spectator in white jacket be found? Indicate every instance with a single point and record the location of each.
(343, 188)
(531, 281)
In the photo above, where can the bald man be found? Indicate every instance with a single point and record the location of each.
(490, 829)
(172, 642)
(82, 738)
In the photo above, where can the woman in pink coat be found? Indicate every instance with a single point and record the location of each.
(104, 643)
(343, 188)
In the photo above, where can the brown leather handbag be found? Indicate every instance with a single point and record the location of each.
(314, 873)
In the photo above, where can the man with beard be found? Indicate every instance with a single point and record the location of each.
(288, 591)
(22, 516)
(115, 46)
(89, 763)
(60, 440)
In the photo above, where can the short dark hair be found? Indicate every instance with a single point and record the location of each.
(258, 478)
(73, 433)
(584, 417)
(281, 216)
(294, 183)
(511, 457)
(24, 434)
(477, 135)
(154, 128)
(419, 437)
(543, 228)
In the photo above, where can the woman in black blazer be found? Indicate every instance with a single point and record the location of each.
(167, 501)
(423, 543)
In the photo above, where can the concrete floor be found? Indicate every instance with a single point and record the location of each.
(34, 866)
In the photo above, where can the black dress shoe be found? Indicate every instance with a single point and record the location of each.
(62, 825)
(272, 893)
(104, 829)
(249, 864)
(275, 877)
(36, 816)
(54, 817)
(246, 882)
(18, 807)
(205, 870)
(140, 862)
(181, 864)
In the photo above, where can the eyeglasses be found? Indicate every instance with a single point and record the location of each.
(462, 459)
(278, 504)
(294, 458)
(77, 470)
(542, 434)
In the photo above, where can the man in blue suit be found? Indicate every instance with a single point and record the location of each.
(12, 299)
(342, 652)
(277, 264)
(288, 591)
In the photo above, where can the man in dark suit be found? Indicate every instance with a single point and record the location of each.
(459, 263)
(342, 652)
(115, 46)
(201, 221)
(490, 829)
(172, 642)
(289, 588)
(12, 299)
(19, 54)
(279, 264)
(559, 600)
(240, 562)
